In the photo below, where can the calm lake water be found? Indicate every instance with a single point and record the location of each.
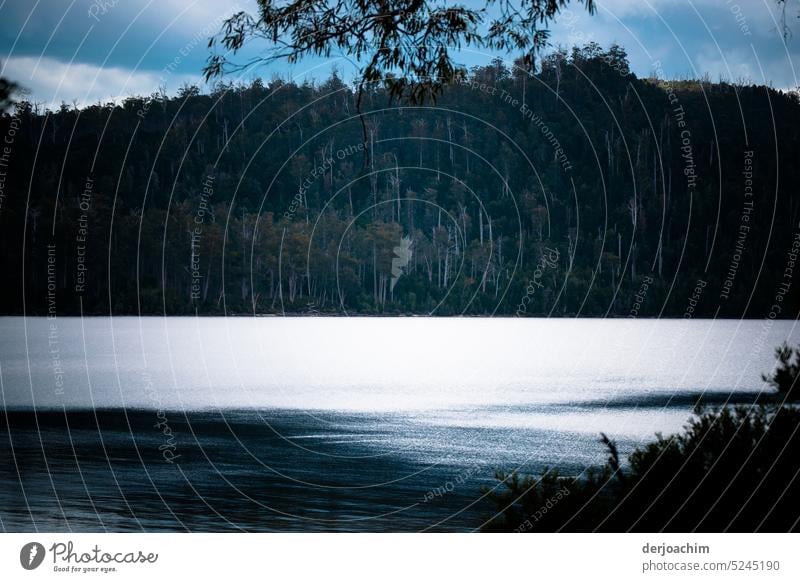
(335, 423)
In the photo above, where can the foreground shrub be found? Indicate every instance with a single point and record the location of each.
(732, 469)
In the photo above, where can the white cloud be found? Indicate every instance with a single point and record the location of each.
(52, 81)
(625, 8)
(758, 17)
(741, 64)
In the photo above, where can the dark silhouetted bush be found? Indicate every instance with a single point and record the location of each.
(784, 378)
(732, 469)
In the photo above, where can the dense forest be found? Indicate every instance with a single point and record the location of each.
(574, 189)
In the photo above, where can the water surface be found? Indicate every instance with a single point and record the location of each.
(335, 423)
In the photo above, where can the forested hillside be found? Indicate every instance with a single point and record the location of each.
(577, 190)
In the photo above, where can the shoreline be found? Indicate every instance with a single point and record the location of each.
(334, 315)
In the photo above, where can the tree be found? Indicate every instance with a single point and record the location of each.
(477, 205)
(7, 88)
(787, 370)
(405, 45)
(730, 469)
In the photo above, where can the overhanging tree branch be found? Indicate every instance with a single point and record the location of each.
(405, 45)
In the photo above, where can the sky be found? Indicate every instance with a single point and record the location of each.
(85, 51)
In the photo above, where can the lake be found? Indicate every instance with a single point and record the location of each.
(346, 424)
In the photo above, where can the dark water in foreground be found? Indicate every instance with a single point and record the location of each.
(275, 470)
(280, 471)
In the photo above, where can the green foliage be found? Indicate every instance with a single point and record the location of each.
(404, 45)
(732, 469)
(784, 377)
(7, 89)
(474, 181)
